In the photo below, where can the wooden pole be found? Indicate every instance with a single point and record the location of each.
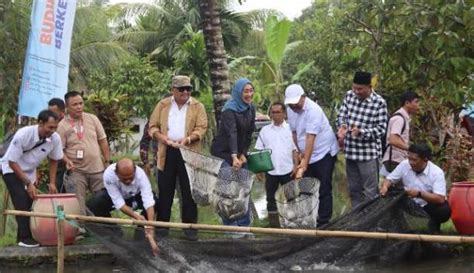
(3, 217)
(451, 239)
(60, 229)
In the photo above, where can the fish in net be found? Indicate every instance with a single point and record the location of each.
(232, 192)
(298, 203)
(216, 253)
(202, 172)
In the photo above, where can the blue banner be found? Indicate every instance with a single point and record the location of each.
(45, 74)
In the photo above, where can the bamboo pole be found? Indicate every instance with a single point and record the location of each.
(3, 217)
(451, 239)
(60, 230)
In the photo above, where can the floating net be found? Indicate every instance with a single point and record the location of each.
(216, 253)
(298, 203)
(232, 192)
(202, 172)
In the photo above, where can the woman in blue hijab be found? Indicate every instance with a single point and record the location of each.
(234, 135)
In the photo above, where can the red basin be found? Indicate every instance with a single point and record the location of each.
(461, 201)
(44, 229)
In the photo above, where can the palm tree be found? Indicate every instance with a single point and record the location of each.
(216, 55)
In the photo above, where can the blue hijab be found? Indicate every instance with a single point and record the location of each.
(236, 103)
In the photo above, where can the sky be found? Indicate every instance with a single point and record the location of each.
(291, 8)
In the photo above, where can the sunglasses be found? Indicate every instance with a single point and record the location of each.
(185, 88)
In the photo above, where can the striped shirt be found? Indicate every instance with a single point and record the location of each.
(369, 115)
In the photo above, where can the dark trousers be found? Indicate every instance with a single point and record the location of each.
(322, 170)
(101, 204)
(21, 201)
(174, 168)
(272, 182)
(438, 214)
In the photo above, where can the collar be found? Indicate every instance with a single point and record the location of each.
(404, 113)
(282, 125)
(37, 137)
(425, 171)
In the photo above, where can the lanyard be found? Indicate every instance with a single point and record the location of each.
(80, 132)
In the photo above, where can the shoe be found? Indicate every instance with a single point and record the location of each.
(434, 227)
(28, 242)
(190, 234)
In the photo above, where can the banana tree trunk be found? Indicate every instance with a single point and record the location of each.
(216, 55)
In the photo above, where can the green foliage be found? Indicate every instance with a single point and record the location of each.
(276, 38)
(137, 80)
(14, 25)
(109, 106)
(191, 59)
(422, 46)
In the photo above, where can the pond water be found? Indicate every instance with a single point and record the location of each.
(463, 264)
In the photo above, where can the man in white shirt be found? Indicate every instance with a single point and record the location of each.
(424, 182)
(278, 138)
(316, 143)
(127, 189)
(29, 146)
(178, 120)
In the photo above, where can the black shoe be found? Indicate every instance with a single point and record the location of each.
(434, 227)
(28, 242)
(190, 234)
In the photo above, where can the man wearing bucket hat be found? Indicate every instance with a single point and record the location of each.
(178, 120)
(316, 143)
(361, 123)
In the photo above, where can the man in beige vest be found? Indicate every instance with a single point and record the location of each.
(178, 120)
(85, 144)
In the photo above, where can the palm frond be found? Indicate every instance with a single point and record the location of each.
(96, 56)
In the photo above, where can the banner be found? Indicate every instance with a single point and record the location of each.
(45, 74)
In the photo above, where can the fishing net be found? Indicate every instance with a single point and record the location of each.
(232, 192)
(216, 253)
(202, 172)
(298, 202)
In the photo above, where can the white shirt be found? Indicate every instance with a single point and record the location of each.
(118, 191)
(280, 140)
(177, 120)
(25, 139)
(312, 120)
(430, 180)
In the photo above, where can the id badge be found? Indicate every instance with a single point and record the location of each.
(80, 154)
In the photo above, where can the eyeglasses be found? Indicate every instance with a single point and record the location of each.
(277, 112)
(185, 88)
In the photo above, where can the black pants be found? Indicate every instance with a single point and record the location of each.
(101, 204)
(174, 167)
(21, 201)
(438, 214)
(322, 170)
(272, 182)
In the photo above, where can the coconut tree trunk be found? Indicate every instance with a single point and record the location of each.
(211, 26)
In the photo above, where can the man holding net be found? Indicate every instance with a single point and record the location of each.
(317, 144)
(176, 121)
(424, 182)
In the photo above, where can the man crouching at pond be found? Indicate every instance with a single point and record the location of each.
(424, 182)
(127, 188)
